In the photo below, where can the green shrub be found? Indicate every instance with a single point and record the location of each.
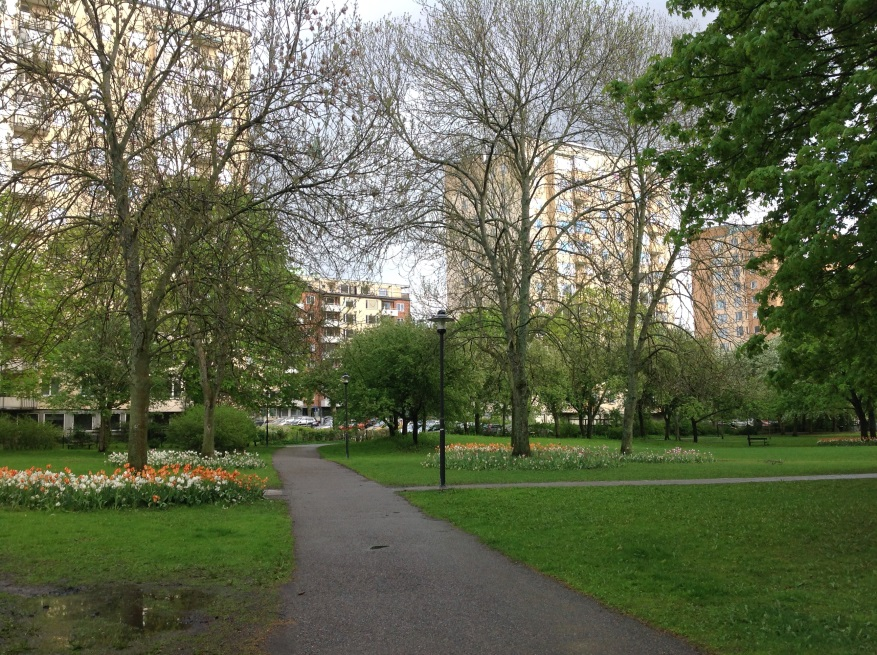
(233, 429)
(27, 434)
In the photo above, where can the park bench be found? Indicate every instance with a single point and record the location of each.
(763, 440)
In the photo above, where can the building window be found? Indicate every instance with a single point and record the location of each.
(720, 304)
(739, 330)
(757, 329)
(400, 306)
(309, 300)
(371, 319)
(721, 319)
(753, 284)
(382, 293)
(350, 319)
(344, 288)
(738, 316)
(386, 305)
(350, 302)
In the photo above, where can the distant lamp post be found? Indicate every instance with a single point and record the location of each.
(267, 409)
(441, 320)
(346, 380)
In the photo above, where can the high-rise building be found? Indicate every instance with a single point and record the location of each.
(584, 211)
(724, 290)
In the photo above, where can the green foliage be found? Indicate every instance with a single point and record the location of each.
(27, 434)
(234, 429)
(782, 104)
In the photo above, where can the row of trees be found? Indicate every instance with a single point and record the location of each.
(173, 157)
(577, 362)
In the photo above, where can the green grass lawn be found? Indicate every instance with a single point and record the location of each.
(764, 568)
(397, 462)
(768, 568)
(57, 568)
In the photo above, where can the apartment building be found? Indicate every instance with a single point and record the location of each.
(341, 308)
(582, 234)
(724, 291)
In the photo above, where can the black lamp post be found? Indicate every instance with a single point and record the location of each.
(346, 379)
(441, 319)
(267, 409)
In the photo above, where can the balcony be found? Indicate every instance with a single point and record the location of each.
(28, 122)
(332, 308)
(389, 312)
(331, 339)
(23, 157)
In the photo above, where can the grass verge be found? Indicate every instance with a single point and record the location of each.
(397, 462)
(215, 572)
(770, 568)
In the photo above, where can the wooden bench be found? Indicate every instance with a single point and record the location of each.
(763, 440)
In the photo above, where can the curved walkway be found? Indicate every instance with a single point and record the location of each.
(376, 576)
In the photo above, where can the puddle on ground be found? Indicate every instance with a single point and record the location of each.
(63, 616)
(145, 610)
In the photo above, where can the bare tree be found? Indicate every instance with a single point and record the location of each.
(119, 107)
(489, 96)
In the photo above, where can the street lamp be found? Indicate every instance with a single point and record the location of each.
(441, 319)
(267, 409)
(346, 379)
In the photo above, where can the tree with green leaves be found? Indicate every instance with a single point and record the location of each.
(236, 294)
(138, 98)
(394, 373)
(589, 333)
(784, 99)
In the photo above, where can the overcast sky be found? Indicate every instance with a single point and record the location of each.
(374, 9)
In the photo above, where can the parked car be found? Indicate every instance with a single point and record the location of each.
(326, 423)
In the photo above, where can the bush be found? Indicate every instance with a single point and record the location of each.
(234, 429)
(27, 434)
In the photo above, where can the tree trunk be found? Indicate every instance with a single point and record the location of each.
(556, 417)
(477, 422)
(667, 417)
(694, 430)
(520, 413)
(414, 428)
(208, 441)
(856, 402)
(872, 422)
(138, 413)
(642, 421)
(103, 432)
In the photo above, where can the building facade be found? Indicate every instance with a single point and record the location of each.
(340, 308)
(585, 211)
(724, 290)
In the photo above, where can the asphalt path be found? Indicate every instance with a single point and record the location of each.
(374, 575)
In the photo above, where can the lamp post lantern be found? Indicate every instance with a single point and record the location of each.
(346, 379)
(441, 320)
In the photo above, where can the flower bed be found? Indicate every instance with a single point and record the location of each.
(226, 460)
(552, 457)
(846, 441)
(169, 485)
